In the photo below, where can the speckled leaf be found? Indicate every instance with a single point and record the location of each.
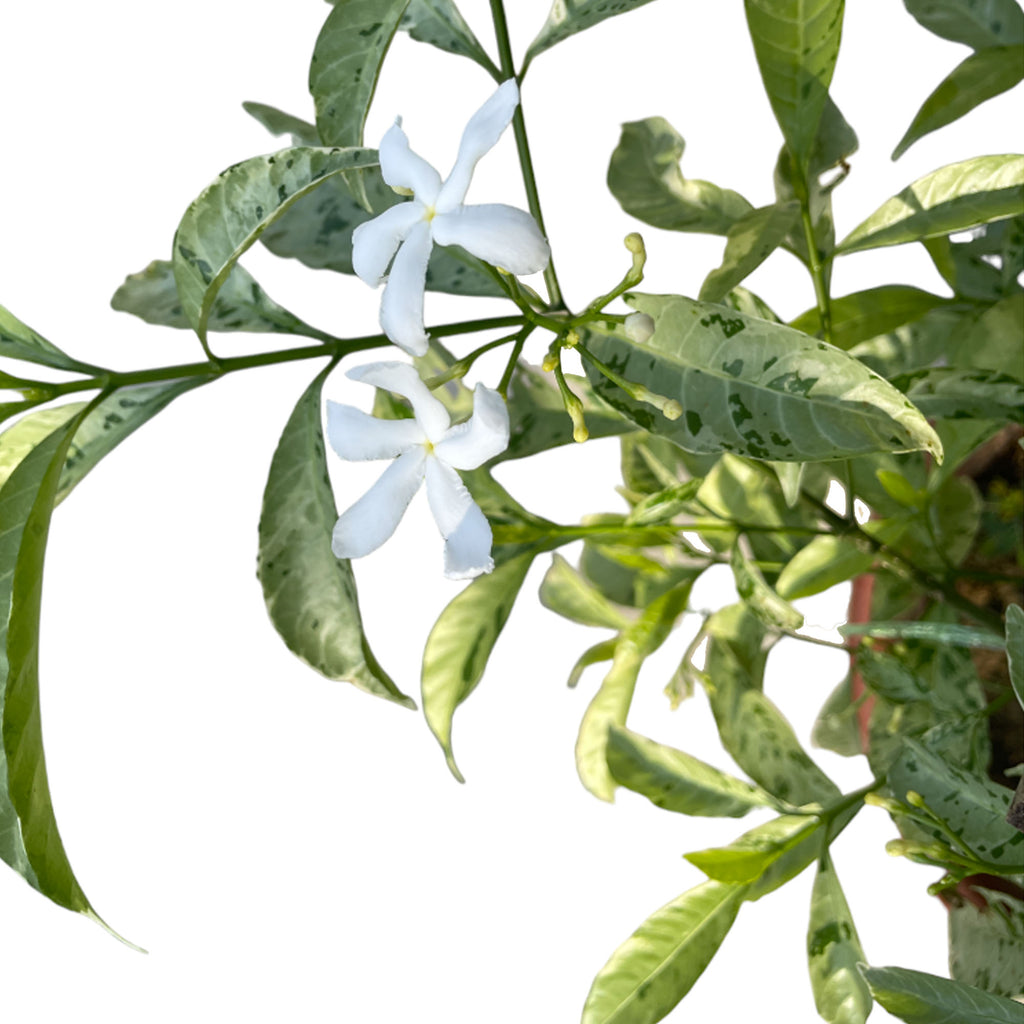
(975, 23)
(645, 177)
(440, 23)
(918, 998)
(660, 962)
(567, 17)
(346, 63)
(232, 212)
(240, 305)
(21, 437)
(277, 122)
(1015, 649)
(954, 198)
(675, 781)
(796, 43)
(19, 341)
(946, 392)
(986, 944)
(311, 595)
(764, 602)
(755, 388)
(833, 951)
(939, 633)
(565, 592)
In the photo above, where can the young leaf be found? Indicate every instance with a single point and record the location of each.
(833, 952)
(1015, 649)
(568, 17)
(346, 63)
(918, 998)
(824, 562)
(675, 781)
(796, 43)
(660, 962)
(277, 122)
(645, 177)
(439, 23)
(460, 643)
(311, 595)
(981, 76)
(235, 209)
(754, 388)
(604, 651)
(953, 198)
(975, 23)
(19, 341)
(568, 594)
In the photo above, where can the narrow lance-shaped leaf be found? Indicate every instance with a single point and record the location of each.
(947, 392)
(440, 23)
(568, 17)
(19, 341)
(1015, 649)
(660, 962)
(764, 602)
(564, 591)
(975, 23)
(311, 595)
(277, 122)
(954, 198)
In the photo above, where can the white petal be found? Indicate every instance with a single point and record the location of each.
(497, 234)
(375, 242)
(484, 435)
(467, 534)
(357, 436)
(401, 305)
(402, 379)
(483, 131)
(373, 518)
(402, 168)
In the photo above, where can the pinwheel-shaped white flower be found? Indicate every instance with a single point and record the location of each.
(425, 446)
(404, 235)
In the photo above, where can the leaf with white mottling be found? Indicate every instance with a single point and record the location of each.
(567, 17)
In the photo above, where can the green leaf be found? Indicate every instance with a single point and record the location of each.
(22, 436)
(928, 632)
(947, 392)
(19, 341)
(986, 944)
(346, 63)
(660, 962)
(833, 952)
(311, 595)
(975, 23)
(826, 561)
(889, 677)
(664, 505)
(439, 23)
(630, 577)
(240, 305)
(460, 643)
(235, 209)
(675, 781)
(796, 43)
(754, 388)
(918, 998)
(565, 592)
(992, 341)
(277, 122)
(604, 651)
(981, 76)
(645, 177)
(749, 242)
(836, 728)
(1015, 649)
(968, 267)
(864, 315)
(953, 198)
(759, 597)
(748, 858)
(568, 17)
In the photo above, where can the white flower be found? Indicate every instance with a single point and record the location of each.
(500, 235)
(425, 446)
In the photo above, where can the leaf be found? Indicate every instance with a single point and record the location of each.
(604, 651)
(888, 677)
(754, 388)
(927, 632)
(992, 341)
(277, 122)
(675, 781)
(981, 76)
(346, 63)
(986, 944)
(826, 561)
(567, 17)
(796, 43)
(947, 392)
(967, 266)
(663, 506)
(864, 315)
(19, 341)
(460, 643)
(660, 962)
(240, 305)
(833, 951)
(953, 198)
(759, 597)
(232, 212)
(19, 439)
(311, 595)
(919, 998)
(749, 242)
(645, 177)
(439, 23)
(975, 23)
(836, 728)
(565, 592)
(1015, 649)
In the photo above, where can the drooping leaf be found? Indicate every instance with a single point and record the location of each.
(346, 63)
(1015, 649)
(603, 651)
(19, 341)
(645, 177)
(764, 602)
(796, 43)
(833, 951)
(310, 594)
(660, 962)
(439, 23)
(235, 209)
(460, 643)
(947, 392)
(953, 198)
(564, 591)
(277, 122)
(975, 23)
(754, 388)
(675, 781)
(826, 561)
(918, 998)
(981, 76)
(986, 944)
(567, 17)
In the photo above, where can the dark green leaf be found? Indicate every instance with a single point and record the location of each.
(1015, 649)
(565, 592)
(277, 122)
(953, 198)
(644, 176)
(568, 17)
(311, 595)
(439, 23)
(824, 562)
(975, 23)
(947, 392)
(19, 341)
(660, 962)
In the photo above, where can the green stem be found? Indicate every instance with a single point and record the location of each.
(513, 358)
(817, 268)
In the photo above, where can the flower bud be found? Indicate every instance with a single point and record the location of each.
(639, 327)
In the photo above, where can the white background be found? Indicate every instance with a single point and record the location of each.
(288, 848)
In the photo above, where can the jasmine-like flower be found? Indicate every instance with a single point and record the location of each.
(404, 235)
(427, 446)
